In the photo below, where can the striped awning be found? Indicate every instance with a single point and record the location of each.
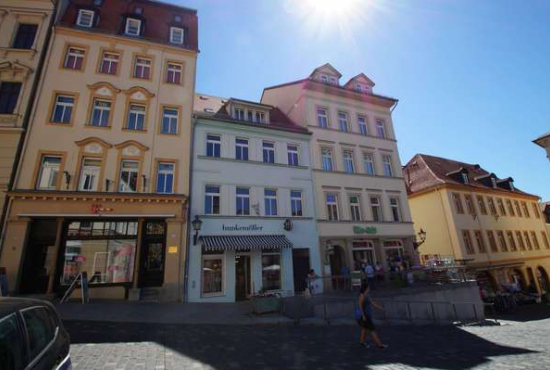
(244, 242)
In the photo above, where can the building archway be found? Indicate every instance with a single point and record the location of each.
(544, 281)
(518, 277)
(337, 260)
(486, 281)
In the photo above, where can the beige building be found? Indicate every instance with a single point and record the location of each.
(103, 184)
(361, 200)
(471, 215)
(24, 29)
(544, 142)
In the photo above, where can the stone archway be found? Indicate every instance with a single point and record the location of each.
(543, 280)
(518, 277)
(487, 281)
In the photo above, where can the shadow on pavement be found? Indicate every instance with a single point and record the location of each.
(532, 312)
(319, 347)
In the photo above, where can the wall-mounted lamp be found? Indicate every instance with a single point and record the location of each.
(197, 224)
(288, 225)
(422, 238)
(67, 178)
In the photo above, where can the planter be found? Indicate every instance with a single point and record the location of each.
(261, 305)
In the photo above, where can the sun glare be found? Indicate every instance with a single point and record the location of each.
(338, 9)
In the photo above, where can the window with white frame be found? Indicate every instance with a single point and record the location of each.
(343, 124)
(292, 152)
(165, 177)
(260, 117)
(326, 154)
(362, 123)
(133, 27)
(355, 207)
(324, 78)
(388, 167)
(271, 270)
(380, 129)
(268, 152)
(368, 162)
(100, 113)
(63, 109)
(85, 18)
(109, 63)
(173, 73)
(395, 209)
(465, 178)
(74, 59)
(89, 174)
(243, 201)
(332, 206)
(241, 149)
(322, 117)
(176, 35)
(142, 68)
(296, 203)
(239, 113)
(348, 161)
(270, 202)
(170, 117)
(376, 208)
(128, 180)
(49, 172)
(213, 146)
(136, 117)
(333, 80)
(212, 200)
(212, 275)
(250, 116)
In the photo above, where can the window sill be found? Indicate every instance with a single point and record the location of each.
(134, 131)
(8, 118)
(100, 127)
(353, 133)
(251, 162)
(357, 174)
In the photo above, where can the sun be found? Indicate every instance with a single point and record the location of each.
(338, 9)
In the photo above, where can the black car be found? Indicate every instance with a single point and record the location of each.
(32, 336)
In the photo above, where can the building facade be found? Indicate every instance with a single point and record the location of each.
(361, 201)
(102, 187)
(471, 215)
(24, 32)
(252, 189)
(544, 142)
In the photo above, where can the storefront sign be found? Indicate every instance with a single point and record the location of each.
(173, 249)
(365, 230)
(251, 227)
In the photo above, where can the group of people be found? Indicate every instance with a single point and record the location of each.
(371, 273)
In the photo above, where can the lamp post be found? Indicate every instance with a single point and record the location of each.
(422, 236)
(197, 224)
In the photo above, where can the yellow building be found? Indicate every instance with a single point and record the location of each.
(24, 27)
(471, 215)
(103, 183)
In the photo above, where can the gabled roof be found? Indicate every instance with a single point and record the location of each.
(207, 104)
(425, 172)
(324, 67)
(361, 78)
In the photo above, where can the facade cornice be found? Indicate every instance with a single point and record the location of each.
(247, 127)
(496, 192)
(61, 195)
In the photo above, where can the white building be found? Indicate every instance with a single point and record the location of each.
(252, 189)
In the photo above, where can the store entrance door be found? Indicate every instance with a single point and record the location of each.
(153, 246)
(242, 277)
(300, 267)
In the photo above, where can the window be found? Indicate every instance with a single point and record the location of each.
(243, 201)
(535, 240)
(376, 209)
(89, 174)
(512, 241)
(24, 39)
(173, 73)
(250, 116)
(212, 275)
(322, 117)
(324, 78)
(510, 207)
(492, 207)
(518, 209)
(176, 35)
(502, 241)
(142, 68)
(12, 343)
(40, 329)
(49, 172)
(469, 204)
(343, 122)
(136, 117)
(536, 210)
(170, 118)
(109, 63)
(380, 129)
(212, 200)
(326, 154)
(271, 270)
(520, 240)
(9, 94)
(388, 168)
(468, 242)
(362, 123)
(238, 113)
(133, 27)
(85, 18)
(545, 240)
(482, 206)
(260, 117)
(165, 177)
(101, 110)
(63, 109)
(355, 208)
(292, 151)
(74, 58)
(241, 149)
(128, 176)
(368, 163)
(525, 209)
(363, 252)
(333, 80)
(480, 242)
(501, 207)
(332, 206)
(492, 241)
(465, 178)
(458, 203)
(296, 203)
(527, 241)
(270, 202)
(348, 161)
(213, 146)
(268, 152)
(395, 209)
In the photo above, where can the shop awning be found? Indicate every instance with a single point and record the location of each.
(240, 242)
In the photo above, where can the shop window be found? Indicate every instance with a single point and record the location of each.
(24, 39)
(355, 208)
(270, 200)
(376, 208)
(170, 117)
(271, 270)
(109, 63)
(74, 59)
(393, 250)
(362, 123)
(12, 343)
(241, 149)
(128, 176)
(212, 275)
(322, 117)
(89, 174)
(212, 200)
(48, 175)
(40, 329)
(292, 152)
(173, 73)
(296, 203)
(142, 68)
(332, 207)
(326, 155)
(63, 109)
(165, 178)
(101, 110)
(9, 95)
(363, 253)
(136, 117)
(368, 162)
(268, 152)
(213, 146)
(243, 201)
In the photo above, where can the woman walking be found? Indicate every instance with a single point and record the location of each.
(364, 318)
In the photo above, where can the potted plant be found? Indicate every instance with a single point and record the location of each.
(265, 302)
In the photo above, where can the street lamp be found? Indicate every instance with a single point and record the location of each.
(422, 236)
(197, 224)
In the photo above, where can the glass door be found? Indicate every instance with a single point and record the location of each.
(153, 248)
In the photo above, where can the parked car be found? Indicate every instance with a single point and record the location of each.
(32, 336)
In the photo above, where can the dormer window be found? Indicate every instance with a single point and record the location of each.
(239, 114)
(324, 79)
(248, 114)
(176, 35)
(494, 182)
(362, 88)
(85, 18)
(512, 186)
(333, 80)
(133, 27)
(260, 117)
(465, 179)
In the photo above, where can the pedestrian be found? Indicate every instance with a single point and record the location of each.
(379, 272)
(311, 277)
(363, 315)
(369, 271)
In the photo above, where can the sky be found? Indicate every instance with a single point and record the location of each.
(472, 77)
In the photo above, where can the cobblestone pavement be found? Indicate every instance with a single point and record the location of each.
(513, 345)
